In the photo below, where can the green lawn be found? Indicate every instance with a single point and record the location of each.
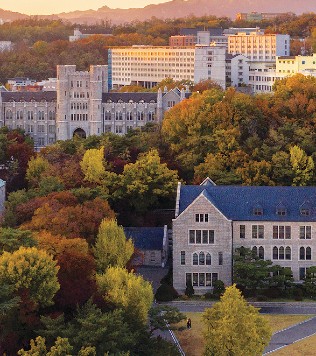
(192, 340)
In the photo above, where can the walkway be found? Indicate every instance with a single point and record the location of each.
(291, 335)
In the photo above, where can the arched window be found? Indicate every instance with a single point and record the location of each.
(9, 114)
(302, 253)
(201, 258)
(288, 253)
(208, 259)
(281, 253)
(275, 253)
(308, 253)
(261, 252)
(195, 259)
(255, 251)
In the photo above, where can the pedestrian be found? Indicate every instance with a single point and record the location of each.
(189, 323)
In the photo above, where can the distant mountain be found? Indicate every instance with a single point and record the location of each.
(177, 8)
(183, 8)
(11, 16)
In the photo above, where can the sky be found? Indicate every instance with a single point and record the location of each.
(45, 7)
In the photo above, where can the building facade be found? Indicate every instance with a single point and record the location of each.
(82, 105)
(276, 223)
(259, 47)
(147, 66)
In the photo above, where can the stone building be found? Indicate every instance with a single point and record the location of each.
(82, 105)
(277, 223)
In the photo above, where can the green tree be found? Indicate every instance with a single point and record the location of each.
(127, 291)
(92, 165)
(146, 182)
(302, 166)
(31, 269)
(250, 271)
(161, 317)
(38, 348)
(111, 247)
(310, 282)
(12, 239)
(227, 319)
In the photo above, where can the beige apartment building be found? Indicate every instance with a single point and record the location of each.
(259, 47)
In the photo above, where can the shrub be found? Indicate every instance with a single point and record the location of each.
(262, 298)
(219, 288)
(166, 293)
(273, 292)
(189, 290)
(298, 294)
(208, 295)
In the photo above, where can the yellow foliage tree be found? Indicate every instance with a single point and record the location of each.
(127, 291)
(111, 247)
(92, 165)
(234, 327)
(31, 269)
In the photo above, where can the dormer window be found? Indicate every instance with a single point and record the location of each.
(305, 211)
(258, 211)
(281, 211)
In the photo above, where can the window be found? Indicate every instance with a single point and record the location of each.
(242, 231)
(305, 253)
(201, 279)
(107, 115)
(220, 258)
(40, 128)
(208, 259)
(201, 258)
(30, 115)
(41, 141)
(305, 232)
(41, 115)
(201, 236)
(281, 211)
(201, 217)
(129, 116)
(281, 232)
(195, 259)
(257, 231)
(140, 116)
(302, 273)
(281, 253)
(182, 258)
(258, 211)
(118, 129)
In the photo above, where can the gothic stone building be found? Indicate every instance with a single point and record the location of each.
(277, 223)
(82, 105)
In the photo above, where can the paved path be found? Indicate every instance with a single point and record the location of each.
(291, 335)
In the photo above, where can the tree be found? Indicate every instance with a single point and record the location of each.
(310, 282)
(111, 247)
(249, 271)
(92, 165)
(146, 182)
(38, 348)
(37, 167)
(107, 332)
(225, 321)
(302, 166)
(127, 291)
(31, 269)
(12, 239)
(161, 317)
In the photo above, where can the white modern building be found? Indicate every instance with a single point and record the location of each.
(237, 70)
(259, 47)
(147, 65)
(78, 35)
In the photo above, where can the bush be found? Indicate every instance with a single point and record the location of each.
(208, 295)
(298, 294)
(166, 293)
(262, 298)
(189, 290)
(273, 292)
(219, 288)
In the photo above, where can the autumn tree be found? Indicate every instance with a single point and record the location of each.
(146, 182)
(224, 322)
(12, 239)
(37, 167)
(92, 165)
(302, 166)
(127, 291)
(111, 247)
(31, 269)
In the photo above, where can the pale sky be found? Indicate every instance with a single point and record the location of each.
(45, 7)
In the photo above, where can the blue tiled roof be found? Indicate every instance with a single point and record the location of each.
(238, 202)
(2, 183)
(146, 238)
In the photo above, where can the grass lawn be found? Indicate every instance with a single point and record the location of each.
(192, 340)
(305, 347)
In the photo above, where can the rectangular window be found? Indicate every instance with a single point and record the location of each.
(188, 278)
(242, 231)
(205, 236)
(211, 236)
(302, 273)
(208, 279)
(201, 217)
(257, 231)
(192, 236)
(202, 279)
(281, 232)
(182, 257)
(195, 279)
(198, 236)
(201, 237)
(305, 232)
(220, 258)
